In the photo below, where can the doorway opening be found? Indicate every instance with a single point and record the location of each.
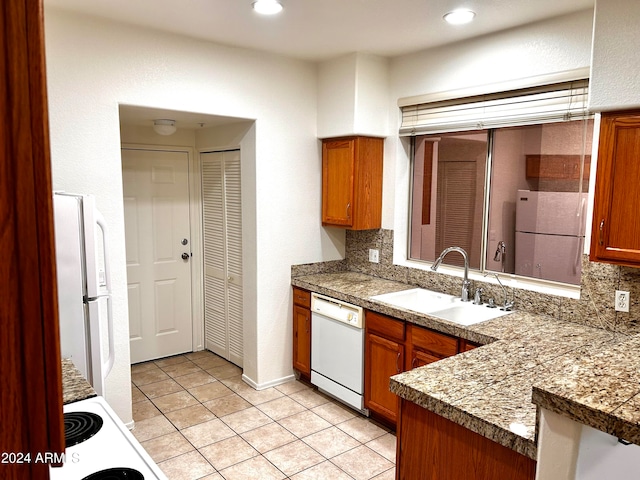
(165, 227)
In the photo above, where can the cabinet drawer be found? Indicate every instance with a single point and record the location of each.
(301, 297)
(385, 326)
(435, 342)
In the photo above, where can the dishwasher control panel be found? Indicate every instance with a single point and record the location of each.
(337, 310)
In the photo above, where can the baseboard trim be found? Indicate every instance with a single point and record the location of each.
(272, 383)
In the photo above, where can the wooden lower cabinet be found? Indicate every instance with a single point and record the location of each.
(430, 447)
(466, 345)
(427, 346)
(383, 358)
(392, 347)
(302, 332)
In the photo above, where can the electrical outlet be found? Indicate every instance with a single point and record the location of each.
(374, 255)
(622, 301)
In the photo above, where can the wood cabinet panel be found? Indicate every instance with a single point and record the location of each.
(391, 347)
(430, 447)
(386, 327)
(30, 370)
(338, 170)
(352, 182)
(383, 359)
(302, 331)
(426, 346)
(615, 232)
(466, 345)
(301, 297)
(302, 340)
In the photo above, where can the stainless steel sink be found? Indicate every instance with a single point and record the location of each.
(440, 305)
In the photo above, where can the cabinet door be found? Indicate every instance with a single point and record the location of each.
(383, 359)
(338, 158)
(433, 447)
(421, 357)
(302, 340)
(615, 236)
(427, 346)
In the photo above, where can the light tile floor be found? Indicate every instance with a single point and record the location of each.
(198, 420)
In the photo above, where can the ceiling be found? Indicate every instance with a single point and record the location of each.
(313, 30)
(318, 30)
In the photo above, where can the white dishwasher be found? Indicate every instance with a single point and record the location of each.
(337, 349)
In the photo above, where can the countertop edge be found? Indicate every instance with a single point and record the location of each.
(489, 430)
(620, 423)
(74, 386)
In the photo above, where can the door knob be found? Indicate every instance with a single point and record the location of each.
(185, 256)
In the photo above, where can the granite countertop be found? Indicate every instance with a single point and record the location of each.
(74, 386)
(588, 374)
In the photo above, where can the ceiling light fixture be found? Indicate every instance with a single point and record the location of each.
(267, 7)
(459, 16)
(164, 127)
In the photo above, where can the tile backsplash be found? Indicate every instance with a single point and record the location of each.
(595, 306)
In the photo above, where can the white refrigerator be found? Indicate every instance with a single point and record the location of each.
(550, 235)
(84, 300)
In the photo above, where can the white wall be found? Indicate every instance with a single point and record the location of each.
(93, 65)
(543, 48)
(615, 82)
(353, 93)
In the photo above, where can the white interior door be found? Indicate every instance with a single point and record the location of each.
(222, 245)
(157, 231)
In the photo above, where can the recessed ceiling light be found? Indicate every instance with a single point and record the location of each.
(267, 7)
(459, 17)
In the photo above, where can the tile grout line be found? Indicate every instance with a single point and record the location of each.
(170, 368)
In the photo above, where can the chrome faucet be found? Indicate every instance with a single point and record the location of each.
(466, 284)
(508, 304)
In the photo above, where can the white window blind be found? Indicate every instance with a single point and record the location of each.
(542, 104)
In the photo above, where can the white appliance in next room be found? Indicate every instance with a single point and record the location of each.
(99, 446)
(550, 235)
(337, 349)
(84, 301)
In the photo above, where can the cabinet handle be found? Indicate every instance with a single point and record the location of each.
(306, 324)
(602, 232)
(413, 362)
(397, 365)
(349, 210)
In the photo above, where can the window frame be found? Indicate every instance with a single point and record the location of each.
(482, 274)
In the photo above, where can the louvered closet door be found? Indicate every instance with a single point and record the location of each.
(222, 220)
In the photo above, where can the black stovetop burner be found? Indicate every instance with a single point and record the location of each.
(80, 426)
(116, 474)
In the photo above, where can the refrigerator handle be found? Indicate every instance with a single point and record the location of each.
(107, 279)
(108, 365)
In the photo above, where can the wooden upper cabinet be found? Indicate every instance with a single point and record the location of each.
(352, 182)
(615, 234)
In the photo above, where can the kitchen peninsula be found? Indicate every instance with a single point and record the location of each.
(581, 372)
